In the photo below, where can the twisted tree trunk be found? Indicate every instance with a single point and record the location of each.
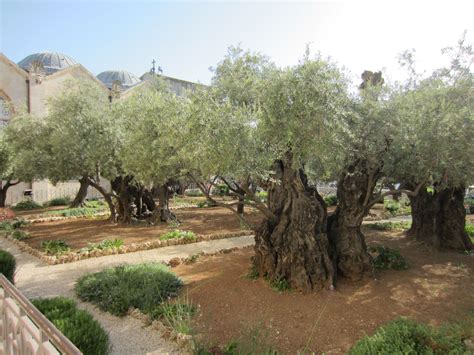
(81, 194)
(107, 197)
(293, 246)
(354, 190)
(163, 212)
(439, 219)
(3, 191)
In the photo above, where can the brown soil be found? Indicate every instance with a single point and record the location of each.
(437, 287)
(77, 233)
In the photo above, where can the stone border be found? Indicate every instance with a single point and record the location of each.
(43, 217)
(155, 244)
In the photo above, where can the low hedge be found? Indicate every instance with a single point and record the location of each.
(7, 265)
(116, 290)
(76, 324)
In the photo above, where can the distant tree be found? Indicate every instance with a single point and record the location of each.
(7, 169)
(435, 154)
(152, 153)
(77, 139)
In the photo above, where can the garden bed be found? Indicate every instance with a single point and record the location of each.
(436, 288)
(205, 223)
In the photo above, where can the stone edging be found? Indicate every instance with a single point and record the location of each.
(76, 256)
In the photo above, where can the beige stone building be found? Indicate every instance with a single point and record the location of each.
(28, 84)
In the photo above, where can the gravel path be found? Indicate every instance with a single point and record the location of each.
(128, 335)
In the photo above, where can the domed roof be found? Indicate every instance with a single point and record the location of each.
(125, 78)
(51, 61)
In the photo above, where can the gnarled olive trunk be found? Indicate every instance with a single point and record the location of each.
(3, 197)
(81, 194)
(163, 213)
(293, 246)
(3, 191)
(107, 197)
(439, 219)
(354, 187)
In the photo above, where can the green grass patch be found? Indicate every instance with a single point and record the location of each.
(20, 235)
(54, 247)
(387, 258)
(90, 209)
(104, 245)
(469, 228)
(179, 234)
(404, 336)
(77, 325)
(7, 265)
(390, 226)
(176, 315)
(116, 290)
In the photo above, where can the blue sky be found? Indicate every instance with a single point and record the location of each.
(186, 38)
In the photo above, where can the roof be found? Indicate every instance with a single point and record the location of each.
(51, 61)
(125, 78)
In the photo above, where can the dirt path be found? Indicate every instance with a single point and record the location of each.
(437, 288)
(127, 335)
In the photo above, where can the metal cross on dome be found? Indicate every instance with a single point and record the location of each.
(153, 69)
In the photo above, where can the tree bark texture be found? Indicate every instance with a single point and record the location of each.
(354, 189)
(108, 199)
(81, 194)
(439, 219)
(294, 246)
(163, 212)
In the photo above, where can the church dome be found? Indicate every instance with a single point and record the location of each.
(51, 61)
(125, 78)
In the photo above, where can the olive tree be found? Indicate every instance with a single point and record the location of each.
(435, 154)
(152, 152)
(7, 168)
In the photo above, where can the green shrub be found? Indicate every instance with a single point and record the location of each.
(193, 192)
(116, 290)
(104, 245)
(54, 247)
(20, 235)
(204, 204)
(469, 202)
(389, 226)
(253, 273)
(469, 228)
(403, 336)
(19, 223)
(331, 200)
(280, 285)
(59, 201)
(222, 190)
(26, 205)
(175, 315)
(387, 258)
(179, 234)
(6, 227)
(7, 265)
(262, 195)
(77, 325)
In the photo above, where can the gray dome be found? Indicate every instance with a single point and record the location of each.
(51, 61)
(125, 78)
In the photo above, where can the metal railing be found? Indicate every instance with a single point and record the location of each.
(25, 330)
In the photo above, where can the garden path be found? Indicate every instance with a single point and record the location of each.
(128, 335)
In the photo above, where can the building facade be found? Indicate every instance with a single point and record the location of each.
(28, 84)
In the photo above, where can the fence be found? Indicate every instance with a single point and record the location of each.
(24, 330)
